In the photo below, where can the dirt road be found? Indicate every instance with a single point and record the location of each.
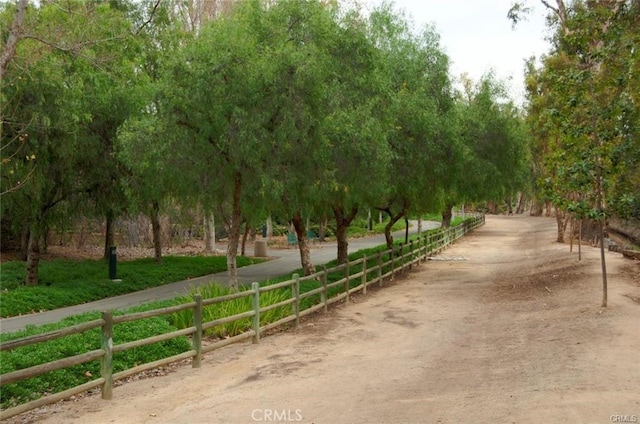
(505, 328)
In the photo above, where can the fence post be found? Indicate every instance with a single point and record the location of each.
(296, 296)
(346, 283)
(393, 262)
(323, 294)
(380, 268)
(197, 336)
(411, 255)
(364, 275)
(401, 258)
(106, 367)
(255, 303)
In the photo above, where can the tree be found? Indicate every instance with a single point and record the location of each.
(357, 160)
(45, 107)
(591, 109)
(419, 110)
(217, 110)
(495, 143)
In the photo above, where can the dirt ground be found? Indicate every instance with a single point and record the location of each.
(506, 327)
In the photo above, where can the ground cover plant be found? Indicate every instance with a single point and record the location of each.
(66, 378)
(71, 282)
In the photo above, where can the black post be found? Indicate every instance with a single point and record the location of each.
(113, 260)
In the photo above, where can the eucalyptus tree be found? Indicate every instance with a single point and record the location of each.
(589, 79)
(66, 55)
(419, 114)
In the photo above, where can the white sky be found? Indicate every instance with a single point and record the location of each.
(477, 36)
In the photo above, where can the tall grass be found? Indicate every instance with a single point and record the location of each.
(184, 319)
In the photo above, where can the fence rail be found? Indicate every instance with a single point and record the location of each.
(371, 269)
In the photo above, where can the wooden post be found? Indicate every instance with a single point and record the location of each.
(296, 296)
(380, 268)
(255, 303)
(401, 258)
(323, 294)
(106, 367)
(393, 264)
(346, 283)
(411, 255)
(197, 336)
(364, 275)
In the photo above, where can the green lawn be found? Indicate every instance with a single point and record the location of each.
(66, 282)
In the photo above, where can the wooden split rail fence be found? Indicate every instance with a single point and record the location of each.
(370, 270)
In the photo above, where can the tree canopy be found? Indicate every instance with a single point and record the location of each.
(297, 109)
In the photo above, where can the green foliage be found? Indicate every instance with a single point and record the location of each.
(48, 118)
(496, 143)
(582, 111)
(66, 378)
(67, 282)
(184, 319)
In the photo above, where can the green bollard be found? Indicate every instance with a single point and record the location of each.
(113, 263)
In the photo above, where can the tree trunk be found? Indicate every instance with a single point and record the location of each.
(388, 228)
(321, 228)
(406, 229)
(14, 35)
(604, 266)
(33, 257)
(234, 233)
(245, 236)
(492, 207)
(447, 214)
(536, 208)
(562, 225)
(210, 234)
(157, 231)
(269, 228)
(303, 245)
(109, 236)
(24, 242)
(343, 220)
(547, 205)
(520, 203)
(509, 202)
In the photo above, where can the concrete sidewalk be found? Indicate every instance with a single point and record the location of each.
(283, 261)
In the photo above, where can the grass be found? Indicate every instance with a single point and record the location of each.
(184, 319)
(66, 282)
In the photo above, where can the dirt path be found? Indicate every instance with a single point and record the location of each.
(510, 332)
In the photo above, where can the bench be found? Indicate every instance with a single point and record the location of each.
(312, 237)
(292, 240)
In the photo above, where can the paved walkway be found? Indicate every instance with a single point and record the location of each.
(284, 261)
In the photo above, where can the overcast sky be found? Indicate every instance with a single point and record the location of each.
(477, 36)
